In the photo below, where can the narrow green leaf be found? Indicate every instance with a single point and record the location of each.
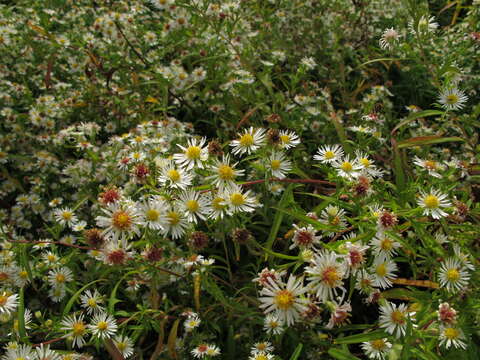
(316, 224)
(75, 296)
(358, 338)
(21, 314)
(112, 299)
(417, 115)
(427, 140)
(341, 354)
(297, 352)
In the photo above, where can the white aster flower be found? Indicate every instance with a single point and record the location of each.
(238, 200)
(329, 153)
(273, 324)
(8, 303)
(453, 275)
(119, 221)
(383, 270)
(103, 326)
(175, 222)
(249, 141)
(452, 99)
(326, 275)
(377, 349)
(278, 165)
(433, 167)
(384, 246)
(65, 217)
(124, 345)
(76, 328)
(288, 139)
(394, 319)
(347, 168)
(433, 202)
(152, 213)
(194, 205)
(389, 38)
(92, 302)
(224, 173)
(452, 336)
(175, 178)
(193, 155)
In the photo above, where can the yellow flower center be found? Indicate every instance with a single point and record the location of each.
(452, 99)
(218, 204)
(225, 172)
(284, 299)
(3, 300)
(381, 270)
(102, 325)
(386, 244)
(378, 344)
(152, 214)
(192, 205)
(329, 155)
(173, 218)
(237, 199)
(246, 140)
(121, 346)
(275, 164)
(285, 139)
(451, 333)
(121, 220)
(60, 278)
(430, 164)
(347, 166)
(67, 215)
(78, 329)
(365, 162)
(398, 317)
(431, 201)
(331, 276)
(51, 257)
(23, 274)
(453, 275)
(261, 357)
(193, 152)
(91, 302)
(173, 175)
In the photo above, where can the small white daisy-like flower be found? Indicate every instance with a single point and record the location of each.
(329, 153)
(57, 293)
(194, 205)
(239, 201)
(23, 352)
(213, 350)
(175, 178)
(453, 275)
(152, 213)
(119, 221)
(273, 324)
(249, 141)
(264, 346)
(266, 274)
(175, 222)
(377, 349)
(224, 173)
(424, 25)
(452, 99)
(278, 165)
(203, 350)
(284, 299)
(191, 323)
(452, 336)
(288, 139)
(364, 282)
(261, 355)
(8, 303)
(334, 216)
(65, 217)
(218, 207)
(383, 270)
(389, 38)
(76, 328)
(384, 246)
(124, 345)
(103, 326)
(193, 155)
(465, 259)
(433, 167)
(43, 352)
(92, 302)
(326, 275)
(304, 237)
(347, 168)
(394, 319)
(433, 202)
(355, 256)
(60, 277)
(367, 165)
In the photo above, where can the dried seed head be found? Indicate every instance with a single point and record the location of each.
(388, 220)
(110, 195)
(214, 148)
(153, 254)
(241, 236)
(198, 240)
(273, 136)
(273, 118)
(94, 237)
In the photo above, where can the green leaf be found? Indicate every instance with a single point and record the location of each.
(341, 354)
(74, 298)
(112, 299)
(297, 352)
(427, 140)
(416, 115)
(299, 216)
(21, 314)
(358, 338)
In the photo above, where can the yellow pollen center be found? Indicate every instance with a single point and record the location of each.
(246, 140)
(121, 220)
(378, 344)
(193, 152)
(152, 214)
(67, 215)
(261, 357)
(92, 303)
(192, 205)
(217, 203)
(431, 201)
(453, 275)
(451, 333)
(102, 325)
(173, 175)
(330, 276)
(60, 278)
(430, 164)
(365, 162)
(398, 317)
(78, 329)
(329, 155)
(285, 139)
(121, 346)
(237, 199)
(225, 172)
(173, 218)
(51, 258)
(452, 99)
(284, 299)
(347, 166)
(275, 164)
(23, 274)
(386, 244)
(3, 300)
(381, 270)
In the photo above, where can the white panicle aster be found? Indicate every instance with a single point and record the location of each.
(174, 177)
(194, 205)
(250, 141)
(152, 213)
(433, 202)
(383, 270)
(453, 275)
(238, 200)
(389, 38)
(224, 173)
(193, 155)
(452, 336)
(452, 99)
(176, 222)
(326, 275)
(377, 349)
(76, 328)
(394, 319)
(288, 139)
(285, 300)
(8, 303)
(119, 221)
(329, 153)
(347, 168)
(103, 326)
(278, 165)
